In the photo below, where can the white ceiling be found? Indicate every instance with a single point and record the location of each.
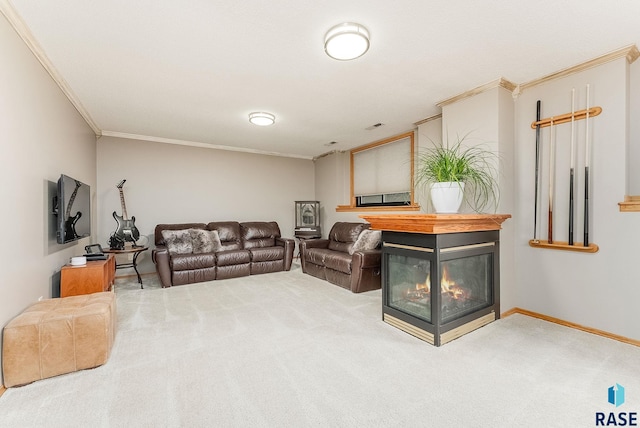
(193, 71)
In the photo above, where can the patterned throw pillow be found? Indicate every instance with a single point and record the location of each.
(368, 240)
(178, 241)
(205, 241)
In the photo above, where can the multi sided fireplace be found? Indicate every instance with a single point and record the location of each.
(440, 284)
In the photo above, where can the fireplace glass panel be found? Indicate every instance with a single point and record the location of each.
(409, 285)
(465, 286)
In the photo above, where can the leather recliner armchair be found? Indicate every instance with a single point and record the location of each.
(330, 259)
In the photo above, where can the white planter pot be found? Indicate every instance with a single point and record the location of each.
(447, 197)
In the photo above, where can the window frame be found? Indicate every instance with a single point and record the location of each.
(352, 198)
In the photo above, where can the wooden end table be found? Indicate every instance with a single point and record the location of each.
(93, 277)
(136, 251)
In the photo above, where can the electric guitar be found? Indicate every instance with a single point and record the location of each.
(127, 230)
(70, 222)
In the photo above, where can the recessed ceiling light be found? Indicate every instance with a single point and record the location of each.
(374, 126)
(262, 118)
(346, 41)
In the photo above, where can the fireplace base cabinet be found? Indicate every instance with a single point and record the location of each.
(466, 267)
(438, 286)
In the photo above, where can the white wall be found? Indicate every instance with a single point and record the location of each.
(41, 137)
(330, 181)
(633, 157)
(181, 184)
(596, 290)
(488, 119)
(429, 134)
(332, 189)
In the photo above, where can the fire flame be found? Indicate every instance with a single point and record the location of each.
(447, 286)
(425, 286)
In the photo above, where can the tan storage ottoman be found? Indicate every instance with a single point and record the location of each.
(58, 336)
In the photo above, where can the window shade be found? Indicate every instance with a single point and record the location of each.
(383, 169)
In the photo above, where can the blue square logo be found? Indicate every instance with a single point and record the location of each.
(616, 395)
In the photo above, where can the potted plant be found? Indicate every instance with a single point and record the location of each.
(455, 172)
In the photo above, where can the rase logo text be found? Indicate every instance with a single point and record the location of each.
(616, 419)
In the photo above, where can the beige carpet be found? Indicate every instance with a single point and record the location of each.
(288, 350)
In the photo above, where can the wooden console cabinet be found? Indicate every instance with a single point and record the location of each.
(94, 277)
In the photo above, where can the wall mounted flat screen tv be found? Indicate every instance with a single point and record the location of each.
(74, 210)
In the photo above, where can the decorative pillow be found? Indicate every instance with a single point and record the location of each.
(368, 240)
(178, 241)
(205, 241)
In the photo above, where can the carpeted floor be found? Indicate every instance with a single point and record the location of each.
(288, 350)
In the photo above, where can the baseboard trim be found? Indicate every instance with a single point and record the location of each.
(571, 325)
(133, 275)
(2, 390)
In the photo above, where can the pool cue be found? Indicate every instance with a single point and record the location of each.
(552, 177)
(535, 206)
(571, 170)
(586, 175)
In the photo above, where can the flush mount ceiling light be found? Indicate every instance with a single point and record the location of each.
(261, 118)
(346, 41)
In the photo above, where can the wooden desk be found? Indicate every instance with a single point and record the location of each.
(94, 277)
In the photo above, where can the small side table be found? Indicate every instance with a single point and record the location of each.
(93, 277)
(136, 251)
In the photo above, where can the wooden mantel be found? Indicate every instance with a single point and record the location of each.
(436, 223)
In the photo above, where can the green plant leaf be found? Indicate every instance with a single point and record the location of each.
(474, 165)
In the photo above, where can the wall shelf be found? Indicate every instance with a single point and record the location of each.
(563, 245)
(630, 204)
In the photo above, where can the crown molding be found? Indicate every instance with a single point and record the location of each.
(630, 52)
(315, 158)
(9, 12)
(429, 119)
(498, 83)
(199, 144)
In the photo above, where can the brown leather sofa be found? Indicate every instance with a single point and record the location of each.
(247, 248)
(330, 259)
